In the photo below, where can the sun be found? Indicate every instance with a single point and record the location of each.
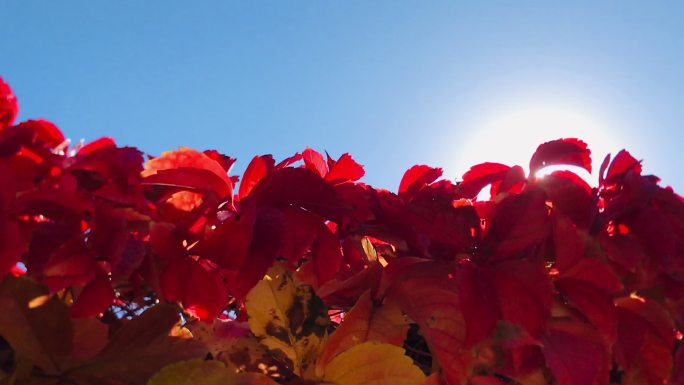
(512, 137)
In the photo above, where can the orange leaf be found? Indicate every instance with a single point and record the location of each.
(365, 322)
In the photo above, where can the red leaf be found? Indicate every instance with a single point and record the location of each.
(427, 292)
(289, 161)
(345, 292)
(645, 341)
(256, 170)
(576, 354)
(267, 239)
(314, 161)
(45, 131)
(519, 221)
(654, 313)
(524, 295)
(567, 242)
(71, 264)
(95, 298)
(345, 169)
(300, 231)
(13, 246)
(228, 244)
(623, 162)
(570, 194)
(485, 380)
(190, 178)
(595, 272)
(593, 302)
(299, 187)
(479, 176)
(326, 255)
(188, 168)
(678, 373)
(569, 151)
(199, 288)
(96, 145)
(480, 302)
(225, 161)
(9, 108)
(625, 250)
(415, 178)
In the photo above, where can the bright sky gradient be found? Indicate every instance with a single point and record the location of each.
(394, 83)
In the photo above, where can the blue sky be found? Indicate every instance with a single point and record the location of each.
(394, 83)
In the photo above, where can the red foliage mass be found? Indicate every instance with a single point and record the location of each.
(550, 276)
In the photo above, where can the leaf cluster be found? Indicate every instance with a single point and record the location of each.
(116, 270)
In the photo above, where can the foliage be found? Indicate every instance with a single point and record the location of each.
(120, 271)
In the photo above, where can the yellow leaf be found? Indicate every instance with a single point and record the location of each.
(365, 322)
(373, 363)
(288, 317)
(198, 372)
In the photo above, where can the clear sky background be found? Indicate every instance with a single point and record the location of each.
(394, 83)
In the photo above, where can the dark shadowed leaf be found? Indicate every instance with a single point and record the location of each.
(326, 254)
(299, 187)
(267, 239)
(199, 372)
(570, 194)
(576, 354)
(593, 302)
(36, 325)
(140, 348)
(95, 297)
(13, 245)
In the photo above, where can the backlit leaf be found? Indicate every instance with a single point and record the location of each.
(569, 151)
(256, 170)
(345, 169)
(415, 178)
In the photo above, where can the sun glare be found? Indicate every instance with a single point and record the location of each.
(511, 138)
